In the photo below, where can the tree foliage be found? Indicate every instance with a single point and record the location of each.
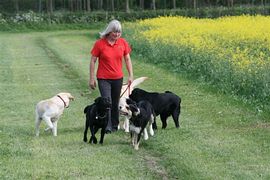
(49, 6)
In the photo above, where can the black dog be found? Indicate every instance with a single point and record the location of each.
(141, 114)
(165, 104)
(96, 118)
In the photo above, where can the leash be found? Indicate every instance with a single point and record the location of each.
(128, 88)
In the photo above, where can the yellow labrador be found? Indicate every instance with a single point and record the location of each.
(50, 111)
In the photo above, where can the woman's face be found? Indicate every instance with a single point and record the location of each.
(114, 35)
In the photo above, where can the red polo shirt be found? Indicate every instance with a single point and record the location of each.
(110, 58)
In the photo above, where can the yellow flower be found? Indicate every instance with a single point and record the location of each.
(243, 38)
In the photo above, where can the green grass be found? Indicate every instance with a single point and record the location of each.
(219, 137)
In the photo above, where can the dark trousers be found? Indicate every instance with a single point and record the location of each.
(111, 88)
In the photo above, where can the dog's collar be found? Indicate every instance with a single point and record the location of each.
(65, 105)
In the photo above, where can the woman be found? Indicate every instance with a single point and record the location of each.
(110, 50)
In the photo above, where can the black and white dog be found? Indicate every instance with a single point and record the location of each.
(125, 92)
(141, 114)
(164, 104)
(96, 118)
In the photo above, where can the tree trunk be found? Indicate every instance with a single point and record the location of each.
(165, 4)
(39, 6)
(142, 4)
(79, 5)
(230, 3)
(84, 5)
(64, 4)
(49, 6)
(100, 4)
(174, 4)
(16, 5)
(208, 3)
(153, 4)
(88, 5)
(194, 4)
(127, 6)
(112, 4)
(71, 7)
(187, 3)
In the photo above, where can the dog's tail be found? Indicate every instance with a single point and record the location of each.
(86, 109)
(138, 81)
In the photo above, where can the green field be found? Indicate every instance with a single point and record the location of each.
(219, 137)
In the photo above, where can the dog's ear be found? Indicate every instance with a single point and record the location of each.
(71, 97)
(133, 107)
(130, 101)
(86, 109)
(97, 100)
(135, 93)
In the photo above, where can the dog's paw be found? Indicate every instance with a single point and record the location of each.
(93, 140)
(145, 137)
(47, 129)
(85, 139)
(136, 147)
(151, 132)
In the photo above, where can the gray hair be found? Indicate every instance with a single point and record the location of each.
(113, 26)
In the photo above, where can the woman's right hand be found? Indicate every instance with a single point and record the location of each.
(92, 84)
(92, 81)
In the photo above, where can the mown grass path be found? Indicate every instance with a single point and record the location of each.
(218, 139)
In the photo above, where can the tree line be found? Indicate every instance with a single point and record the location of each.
(49, 6)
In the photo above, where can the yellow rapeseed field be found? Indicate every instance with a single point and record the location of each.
(243, 40)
